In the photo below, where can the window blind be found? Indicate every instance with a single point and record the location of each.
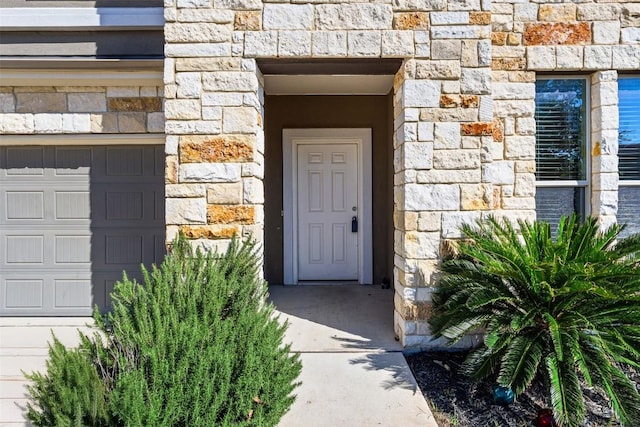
(629, 130)
(560, 129)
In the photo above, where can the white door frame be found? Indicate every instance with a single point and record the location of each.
(291, 138)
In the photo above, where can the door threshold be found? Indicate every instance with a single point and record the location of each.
(328, 282)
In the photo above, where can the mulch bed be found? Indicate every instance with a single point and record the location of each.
(456, 401)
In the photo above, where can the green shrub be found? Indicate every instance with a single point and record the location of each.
(72, 393)
(568, 310)
(196, 345)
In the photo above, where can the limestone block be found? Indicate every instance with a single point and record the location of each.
(87, 102)
(525, 185)
(212, 113)
(453, 221)
(105, 123)
(569, 57)
(225, 99)
(630, 15)
(500, 172)
(215, 16)
(470, 54)
(239, 120)
(185, 190)
(475, 81)
(47, 123)
(364, 43)
(484, 53)
(438, 70)
(189, 84)
(294, 43)
(225, 193)
(247, 21)
(238, 4)
(329, 43)
(456, 159)
(557, 33)
(437, 197)
(230, 81)
(485, 111)
(463, 4)
(605, 181)
(287, 16)
(429, 221)
(518, 203)
(253, 191)
(76, 123)
(209, 172)
(604, 202)
(541, 57)
(480, 18)
(605, 163)
(210, 232)
(426, 5)
(197, 33)
(459, 32)
(253, 169)
(186, 210)
(525, 12)
(626, 57)
(446, 49)
(7, 103)
(411, 21)
(354, 16)
(449, 18)
(261, 43)
(597, 57)
(132, 122)
(557, 12)
(418, 155)
(182, 109)
(477, 197)
(396, 43)
(421, 93)
(525, 126)
(41, 102)
(192, 3)
(231, 214)
(520, 147)
(135, 104)
(629, 35)
(216, 148)
(446, 136)
(598, 12)
(421, 245)
(205, 64)
(425, 131)
(513, 90)
(197, 49)
(448, 114)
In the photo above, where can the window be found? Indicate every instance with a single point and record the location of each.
(562, 168)
(629, 153)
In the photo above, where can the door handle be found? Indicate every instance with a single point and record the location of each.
(354, 224)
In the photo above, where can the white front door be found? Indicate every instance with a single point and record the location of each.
(327, 212)
(326, 183)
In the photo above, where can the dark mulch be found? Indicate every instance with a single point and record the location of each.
(456, 401)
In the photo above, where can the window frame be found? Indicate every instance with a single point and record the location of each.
(585, 184)
(626, 182)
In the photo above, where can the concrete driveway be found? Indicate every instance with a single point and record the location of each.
(353, 370)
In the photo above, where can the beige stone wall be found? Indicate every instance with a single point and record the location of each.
(81, 110)
(592, 39)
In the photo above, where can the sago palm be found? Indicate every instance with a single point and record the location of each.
(568, 309)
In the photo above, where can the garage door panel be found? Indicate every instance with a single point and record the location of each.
(71, 220)
(24, 205)
(21, 294)
(73, 161)
(24, 161)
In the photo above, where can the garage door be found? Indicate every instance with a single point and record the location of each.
(71, 220)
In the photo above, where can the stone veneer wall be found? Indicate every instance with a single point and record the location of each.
(588, 38)
(443, 119)
(30, 110)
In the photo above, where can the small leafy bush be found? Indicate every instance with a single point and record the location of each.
(568, 310)
(196, 345)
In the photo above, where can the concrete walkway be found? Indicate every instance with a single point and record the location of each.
(353, 371)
